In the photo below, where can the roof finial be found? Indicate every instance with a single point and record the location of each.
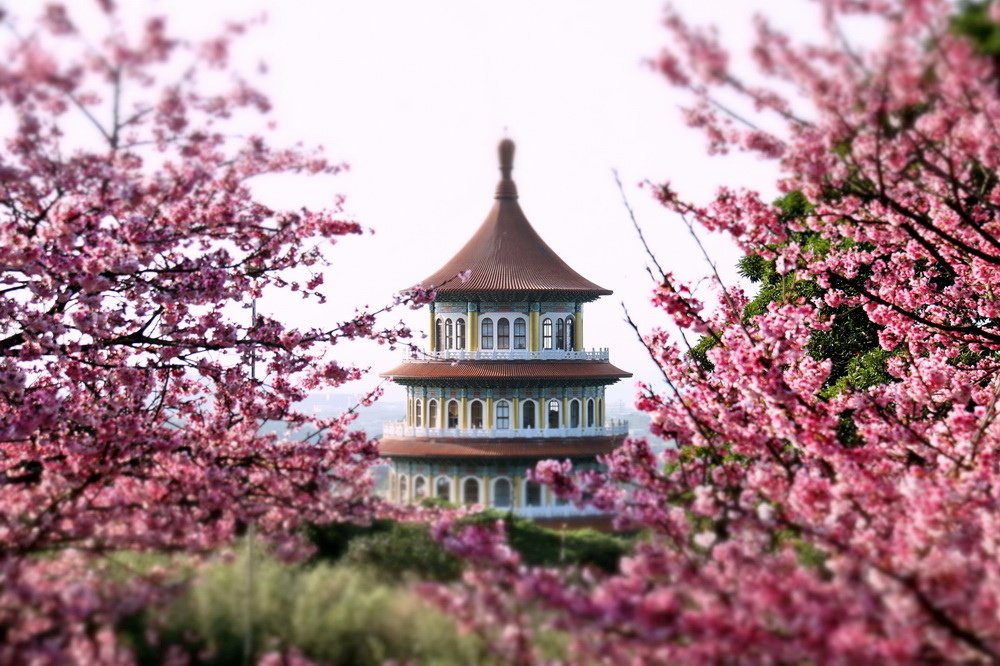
(506, 188)
(506, 149)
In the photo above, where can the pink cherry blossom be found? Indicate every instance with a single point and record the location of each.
(794, 518)
(134, 379)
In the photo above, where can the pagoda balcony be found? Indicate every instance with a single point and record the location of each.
(400, 429)
(512, 355)
(555, 511)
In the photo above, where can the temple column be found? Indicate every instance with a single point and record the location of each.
(473, 333)
(516, 412)
(489, 410)
(533, 326)
(578, 328)
(424, 410)
(433, 329)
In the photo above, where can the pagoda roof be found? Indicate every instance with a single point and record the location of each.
(434, 447)
(507, 256)
(507, 370)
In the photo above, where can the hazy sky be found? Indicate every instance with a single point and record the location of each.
(416, 95)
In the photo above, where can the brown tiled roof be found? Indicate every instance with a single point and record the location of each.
(506, 370)
(507, 255)
(563, 447)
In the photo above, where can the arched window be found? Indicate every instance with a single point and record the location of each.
(453, 414)
(476, 412)
(460, 334)
(419, 488)
(503, 333)
(600, 412)
(438, 335)
(403, 488)
(519, 334)
(449, 342)
(532, 494)
(442, 488)
(560, 334)
(418, 413)
(574, 414)
(590, 413)
(528, 414)
(432, 414)
(553, 417)
(503, 415)
(501, 493)
(470, 491)
(486, 339)
(570, 334)
(547, 333)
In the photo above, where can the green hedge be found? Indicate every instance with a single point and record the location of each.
(541, 546)
(400, 552)
(393, 551)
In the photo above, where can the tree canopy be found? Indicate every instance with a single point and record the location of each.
(135, 370)
(832, 495)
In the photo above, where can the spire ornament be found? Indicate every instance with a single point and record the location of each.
(506, 189)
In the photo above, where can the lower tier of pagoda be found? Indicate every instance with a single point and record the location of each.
(501, 482)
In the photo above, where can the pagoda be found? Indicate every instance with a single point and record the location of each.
(505, 381)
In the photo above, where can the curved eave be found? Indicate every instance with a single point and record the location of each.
(505, 371)
(430, 447)
(461, 293)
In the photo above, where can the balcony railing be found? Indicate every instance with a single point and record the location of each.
(554, 511)
(400, 429)
(513, 355)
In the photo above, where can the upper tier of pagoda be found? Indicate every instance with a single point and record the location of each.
(507, 257)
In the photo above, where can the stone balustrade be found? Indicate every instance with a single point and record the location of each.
(400, 429)
(512, 355)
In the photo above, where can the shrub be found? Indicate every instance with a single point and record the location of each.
(400, 551)
(330, 613)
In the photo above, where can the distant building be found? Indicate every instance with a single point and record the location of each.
(506, 381)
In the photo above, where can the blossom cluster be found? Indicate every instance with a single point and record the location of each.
(831, 490)
(139, 386)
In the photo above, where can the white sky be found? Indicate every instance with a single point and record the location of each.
(416, 95)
